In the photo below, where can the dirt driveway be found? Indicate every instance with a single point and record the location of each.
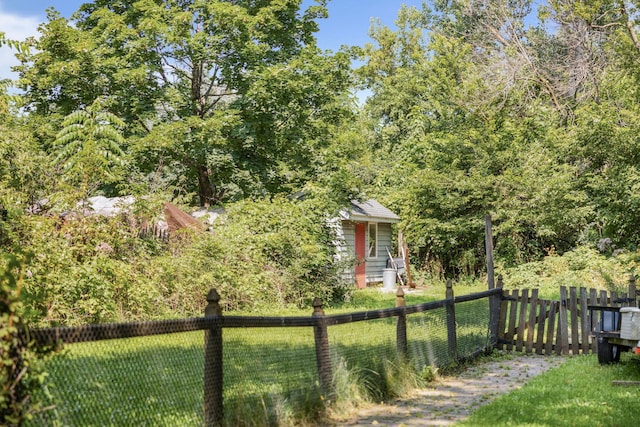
(451, 399)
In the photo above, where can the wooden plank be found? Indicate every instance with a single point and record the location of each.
(502, 322)
(604, 301)
(558, 343)
(522, 319)
(542, 320)
(573, 318)
(584, 321)
(612, 297)
(593, 300)
(548, 345)
(623, 297)
(512, 320)
(563, 332)
(533, 311)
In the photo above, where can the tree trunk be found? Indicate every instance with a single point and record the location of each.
(205, 192)
(629, 25)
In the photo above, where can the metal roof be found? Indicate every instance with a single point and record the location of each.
(370, 211)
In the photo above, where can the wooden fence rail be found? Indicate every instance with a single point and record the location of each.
(531, 324)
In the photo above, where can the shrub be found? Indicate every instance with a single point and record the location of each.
(91, 269)
(581, 267)
(269, 253)
(21, 372)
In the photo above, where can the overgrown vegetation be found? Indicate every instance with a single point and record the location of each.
(474, 109)
(267, 255)
(21, 368)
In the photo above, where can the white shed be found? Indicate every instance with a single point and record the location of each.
(367, 235)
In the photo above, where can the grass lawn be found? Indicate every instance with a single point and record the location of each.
(578, 393)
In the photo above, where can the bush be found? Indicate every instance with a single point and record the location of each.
(21, 372)
(581, 267)
(265, 254)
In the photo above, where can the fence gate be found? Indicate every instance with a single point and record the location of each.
(531, 324)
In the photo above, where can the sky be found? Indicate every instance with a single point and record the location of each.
(348, 22)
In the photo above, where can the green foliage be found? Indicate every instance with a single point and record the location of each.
(92, 269)
(472, 111)
(229, 116)
(264, 254)
(26, 173)
(582, 267)
(87, 270)
(475, 112)
(89, 149)
(21, 373)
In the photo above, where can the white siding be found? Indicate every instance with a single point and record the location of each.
(375, 266)
(349, 236)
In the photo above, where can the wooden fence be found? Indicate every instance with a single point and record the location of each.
(214, 323)
(531, 324)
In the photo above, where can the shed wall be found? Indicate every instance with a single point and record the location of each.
(374, 266)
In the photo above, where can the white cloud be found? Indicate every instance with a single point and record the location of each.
(15, 27)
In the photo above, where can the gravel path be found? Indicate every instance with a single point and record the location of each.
(452, 399)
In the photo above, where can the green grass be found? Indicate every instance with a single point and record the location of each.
(578, 393)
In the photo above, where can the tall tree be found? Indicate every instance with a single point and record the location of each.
(187, 76)
(469, 123)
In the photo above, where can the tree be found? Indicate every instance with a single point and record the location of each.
(89, 149)
(187, 76)
(467, 138)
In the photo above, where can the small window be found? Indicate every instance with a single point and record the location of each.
(373, 240)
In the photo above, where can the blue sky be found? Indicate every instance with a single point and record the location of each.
(348, 21)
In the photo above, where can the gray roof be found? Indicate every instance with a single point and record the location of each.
(370, 211)
(109, 206)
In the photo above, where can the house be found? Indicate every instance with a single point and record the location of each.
(366, 234)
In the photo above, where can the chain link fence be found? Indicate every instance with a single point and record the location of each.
(270, 370)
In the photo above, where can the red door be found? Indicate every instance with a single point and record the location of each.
(361, 280)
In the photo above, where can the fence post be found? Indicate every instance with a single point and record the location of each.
(632, 289)
(323, 356)
(451, 323)
(488, 245)
(495, 302)
(401, 325)
(213, 370)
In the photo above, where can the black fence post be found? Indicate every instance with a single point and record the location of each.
(495, 302)
(323, 356)
(451, 323)
(401, 325)
(213, 369)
